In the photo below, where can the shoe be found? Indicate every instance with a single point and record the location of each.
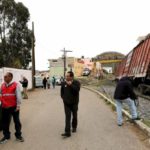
(134, 119)
(74, 130)
(4, 140)
(138, 118)
(120, 125)
(20, 139)
(66, 134)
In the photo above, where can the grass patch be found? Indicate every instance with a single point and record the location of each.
(89, 81)
(147, 122)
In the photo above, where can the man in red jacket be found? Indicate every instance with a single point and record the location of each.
(10, 101)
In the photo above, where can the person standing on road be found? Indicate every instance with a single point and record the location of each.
(48, 83)
(61, 80)
(10, 101)
(70, 95)
(24, 83)
(124, 94)
(53, 82)
(44, 82)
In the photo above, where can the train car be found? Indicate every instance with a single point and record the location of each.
(136, 65)
(120, 68)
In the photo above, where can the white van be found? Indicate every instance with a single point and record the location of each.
(38, 82)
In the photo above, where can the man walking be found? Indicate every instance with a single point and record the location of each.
(70, 95)
(124, 94)
(48, 83)
(10, 100)
(44, 82)
(53, 82)
(24, 83)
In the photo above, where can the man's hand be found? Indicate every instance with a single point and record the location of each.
(69, 82)
(17, 108)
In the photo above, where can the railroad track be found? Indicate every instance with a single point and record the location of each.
(147, 97)
(143, 96)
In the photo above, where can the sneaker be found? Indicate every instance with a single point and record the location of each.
(20, 139)
(4, 140)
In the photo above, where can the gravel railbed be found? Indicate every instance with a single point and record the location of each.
(144, 104)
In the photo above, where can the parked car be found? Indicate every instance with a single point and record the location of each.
(58, 81)
(38, 82)
(86, 72)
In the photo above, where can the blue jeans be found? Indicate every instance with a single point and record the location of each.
(132, 108)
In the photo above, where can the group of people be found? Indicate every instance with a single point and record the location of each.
(70, 88)
(47, 82)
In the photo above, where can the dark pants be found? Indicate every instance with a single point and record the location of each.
(48, 86)
(53, 85)
(71, 110)
(7, 113)
(44, 85)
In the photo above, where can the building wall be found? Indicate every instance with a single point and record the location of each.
(74, 64)
(57, 71)
(88, 63)
(78, 68)
(56, 67)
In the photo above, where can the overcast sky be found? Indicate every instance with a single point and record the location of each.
(87, 27)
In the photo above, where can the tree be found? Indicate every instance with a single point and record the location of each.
(15, 36)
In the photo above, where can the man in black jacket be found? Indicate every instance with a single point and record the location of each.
(70, 95)
(24, 83)
(124, 94)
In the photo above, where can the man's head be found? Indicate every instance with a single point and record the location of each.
(8, 77)
(69, 76)
(24, 78)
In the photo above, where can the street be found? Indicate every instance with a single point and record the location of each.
(42, 117)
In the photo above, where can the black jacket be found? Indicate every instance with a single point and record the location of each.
(24, 83)
(70, 94)
(124, 89)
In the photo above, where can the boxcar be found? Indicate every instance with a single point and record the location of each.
(136, 65)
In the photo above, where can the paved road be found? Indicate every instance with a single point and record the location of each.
(43, 122)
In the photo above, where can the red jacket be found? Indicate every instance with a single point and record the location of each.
(8, 95)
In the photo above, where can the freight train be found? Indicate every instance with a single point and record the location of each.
(136, 65)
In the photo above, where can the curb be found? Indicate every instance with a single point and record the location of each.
(139, 123)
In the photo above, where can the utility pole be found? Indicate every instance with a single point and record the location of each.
(65, 53)
(33, 57)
